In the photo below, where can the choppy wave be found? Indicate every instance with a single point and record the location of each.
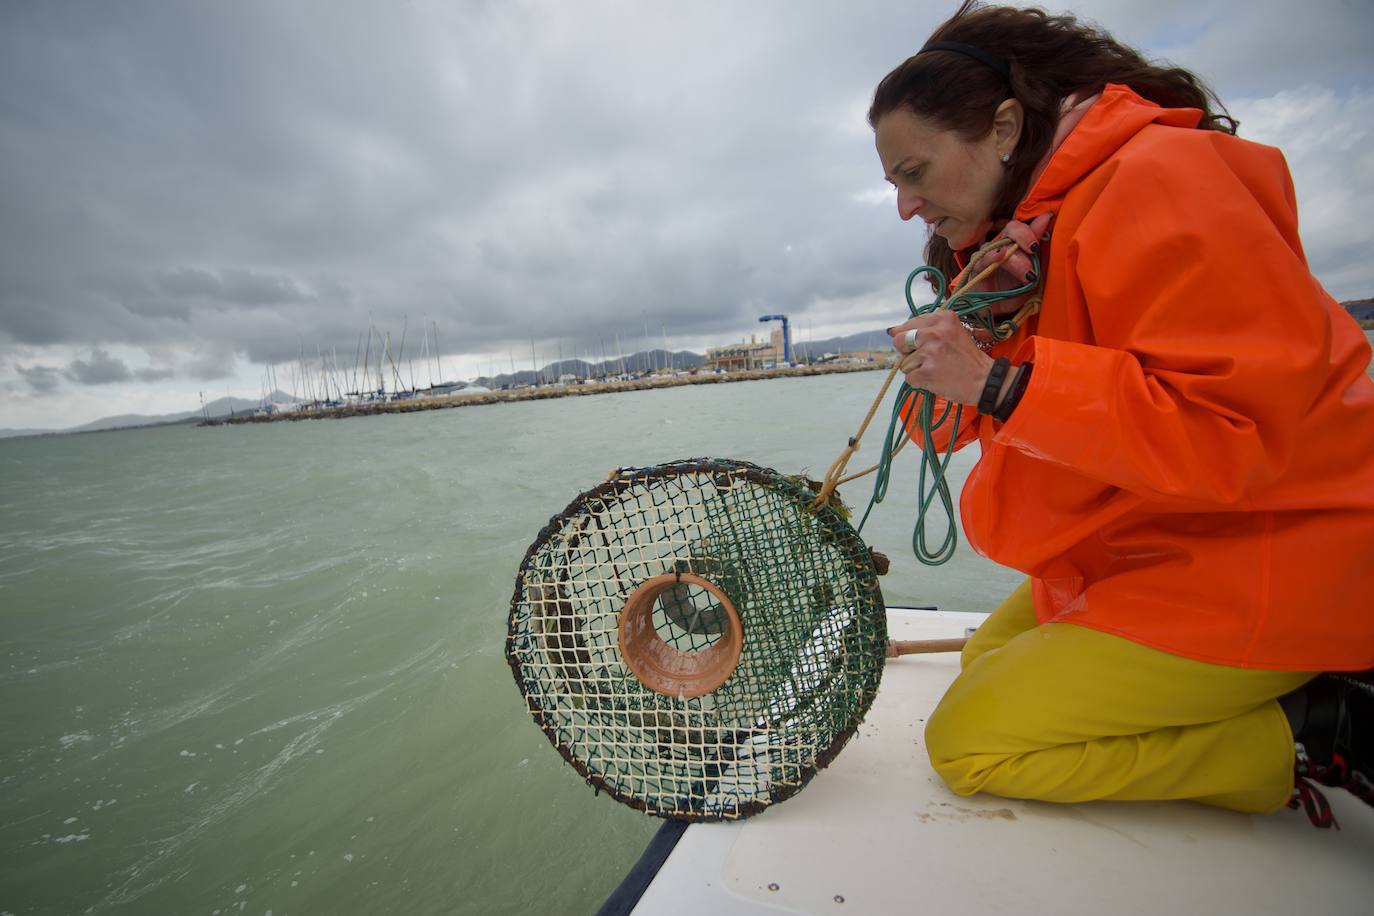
(165, 862)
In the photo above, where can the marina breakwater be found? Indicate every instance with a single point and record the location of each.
(412, 404)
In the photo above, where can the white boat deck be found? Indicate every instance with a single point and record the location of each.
(877, 832)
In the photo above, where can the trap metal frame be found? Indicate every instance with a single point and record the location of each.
(698, 638)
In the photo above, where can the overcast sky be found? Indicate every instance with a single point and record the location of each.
(192, 190)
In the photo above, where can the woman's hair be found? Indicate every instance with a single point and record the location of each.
(1050, 57)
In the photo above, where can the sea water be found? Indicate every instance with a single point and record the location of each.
(260, 668)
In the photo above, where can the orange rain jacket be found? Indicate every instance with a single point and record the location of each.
(1192, 464)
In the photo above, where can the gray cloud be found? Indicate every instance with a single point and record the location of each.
(247, 181)
(231, 286)
(100, 369)
(211, 363)
(40, 379)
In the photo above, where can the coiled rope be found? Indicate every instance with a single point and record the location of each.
(918, 405)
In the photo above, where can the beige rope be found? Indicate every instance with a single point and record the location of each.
(967, 281)
(832, 476)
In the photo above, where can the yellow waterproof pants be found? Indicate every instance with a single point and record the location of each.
(1063, 713)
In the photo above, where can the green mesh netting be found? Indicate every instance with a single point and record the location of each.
(810, 651)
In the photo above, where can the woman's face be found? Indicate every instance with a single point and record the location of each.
(950, 183)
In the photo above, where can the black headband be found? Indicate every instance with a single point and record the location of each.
(978, 54)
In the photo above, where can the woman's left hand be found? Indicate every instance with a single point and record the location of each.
(945, 360)
(1016, 265)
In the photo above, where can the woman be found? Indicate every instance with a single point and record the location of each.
(1178, 449)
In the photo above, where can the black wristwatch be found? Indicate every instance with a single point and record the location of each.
(993, 386)
(1002, 412)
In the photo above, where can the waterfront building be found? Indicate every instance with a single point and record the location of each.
(751, 354)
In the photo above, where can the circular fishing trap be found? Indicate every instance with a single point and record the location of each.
(695, 638)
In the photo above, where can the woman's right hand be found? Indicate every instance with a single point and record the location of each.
(939, 356)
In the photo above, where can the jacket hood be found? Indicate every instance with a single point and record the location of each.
(1112, 121)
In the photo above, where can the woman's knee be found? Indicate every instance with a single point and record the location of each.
(950, 756)
(953, 736)
(942, 735)
(1013, 616)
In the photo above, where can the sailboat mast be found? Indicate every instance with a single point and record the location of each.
(424, 349)
(395, 373)
(357, 351)
(367, 357)
(438, 365)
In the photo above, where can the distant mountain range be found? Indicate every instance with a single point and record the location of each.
(1361, 309)
(636, 363)
(223, 407)
(651, 360)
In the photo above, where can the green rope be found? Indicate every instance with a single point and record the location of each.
(973, 310)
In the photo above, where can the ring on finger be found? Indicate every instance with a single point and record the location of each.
(910, 339)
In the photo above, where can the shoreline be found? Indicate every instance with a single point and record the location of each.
(411, 405)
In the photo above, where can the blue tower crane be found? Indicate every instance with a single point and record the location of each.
(786, 336)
